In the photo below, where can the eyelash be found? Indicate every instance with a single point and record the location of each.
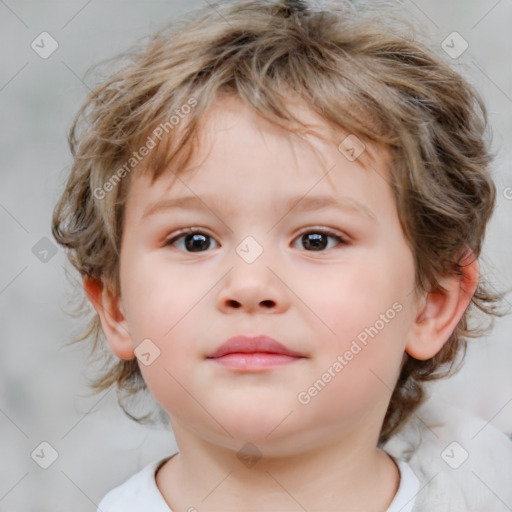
(342, 240)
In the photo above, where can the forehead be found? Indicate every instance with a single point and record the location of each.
(238, 148)
(231, 114)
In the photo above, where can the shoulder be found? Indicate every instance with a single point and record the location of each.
(137, 494)
(462, 461)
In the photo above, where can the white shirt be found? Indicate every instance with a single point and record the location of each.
(140, 493)
(463, 464)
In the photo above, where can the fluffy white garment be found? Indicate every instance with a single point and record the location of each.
(463, 463)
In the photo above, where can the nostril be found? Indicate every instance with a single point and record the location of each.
(267, 303)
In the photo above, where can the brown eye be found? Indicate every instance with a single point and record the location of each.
(318, 240)
(192, 241)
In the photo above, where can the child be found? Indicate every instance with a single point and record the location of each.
(336, 172)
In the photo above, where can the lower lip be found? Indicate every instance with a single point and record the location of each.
(254, 360)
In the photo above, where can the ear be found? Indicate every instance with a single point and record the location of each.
(110, 311)
(441, 311)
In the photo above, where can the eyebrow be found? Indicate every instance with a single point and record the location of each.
(304, 203)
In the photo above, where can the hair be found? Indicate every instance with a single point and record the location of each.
(365, 74)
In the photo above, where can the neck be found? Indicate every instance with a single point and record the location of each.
(344, 475)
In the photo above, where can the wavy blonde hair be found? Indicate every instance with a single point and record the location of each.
(362, 70)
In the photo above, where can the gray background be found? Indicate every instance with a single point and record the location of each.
(44, 394)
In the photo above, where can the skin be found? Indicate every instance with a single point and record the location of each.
(317, 456)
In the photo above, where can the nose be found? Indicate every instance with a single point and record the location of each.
(253, 287)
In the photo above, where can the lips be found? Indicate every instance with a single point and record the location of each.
(253, 345)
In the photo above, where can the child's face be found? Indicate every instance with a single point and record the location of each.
(311, 293)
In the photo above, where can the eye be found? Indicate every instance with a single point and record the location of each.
(317, 240)
(194, 240)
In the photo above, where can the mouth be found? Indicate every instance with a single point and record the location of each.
(258, 353)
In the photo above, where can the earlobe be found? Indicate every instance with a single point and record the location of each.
(113, 321)
(441, 311)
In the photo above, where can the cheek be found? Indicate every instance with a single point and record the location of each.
(364, 331)
(355, 300)
(164, 318)
(355, 377)
(169, 374)
(158, 299)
